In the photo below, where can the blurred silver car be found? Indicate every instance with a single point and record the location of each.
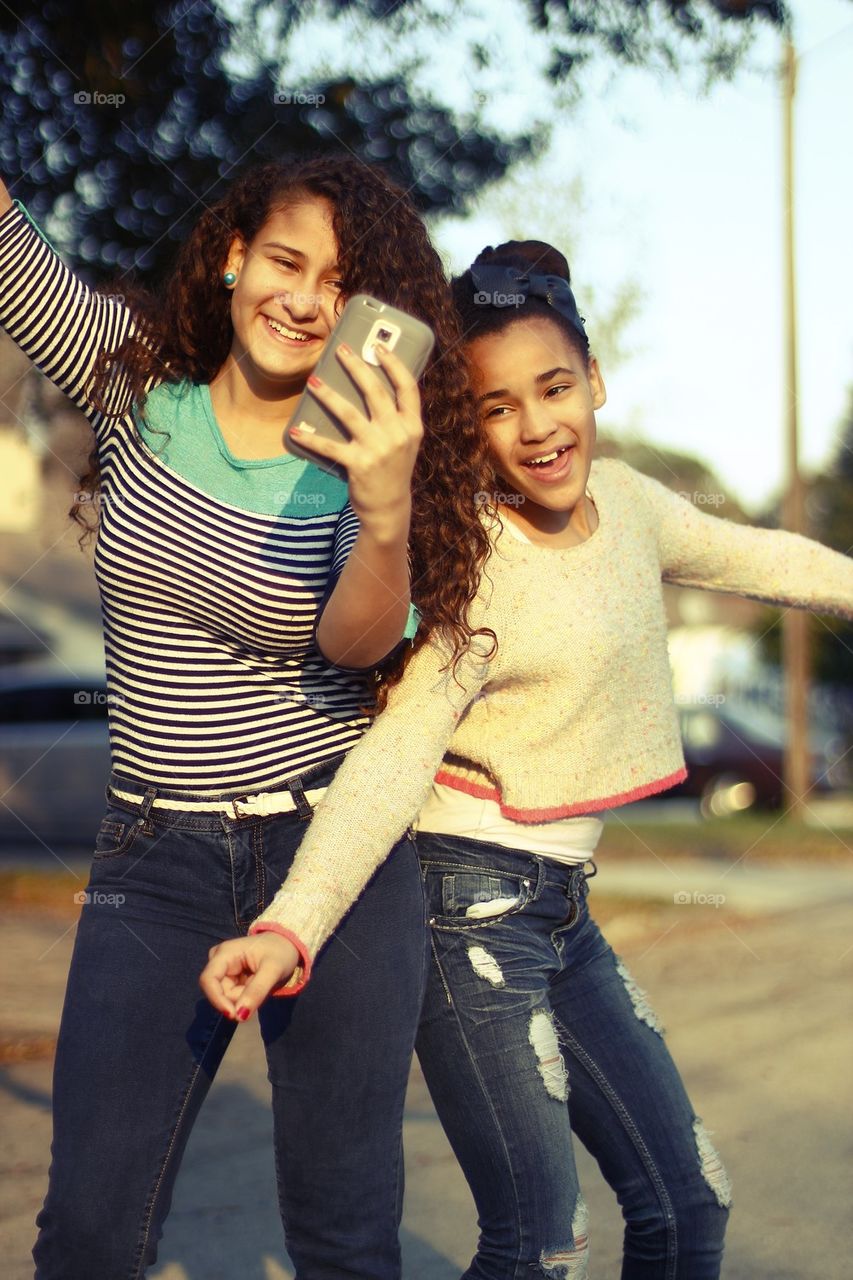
(54, 755)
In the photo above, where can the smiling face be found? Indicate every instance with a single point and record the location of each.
(286, 298)
(537, 398)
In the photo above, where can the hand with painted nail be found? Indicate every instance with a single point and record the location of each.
(241, 972)
(380, 455)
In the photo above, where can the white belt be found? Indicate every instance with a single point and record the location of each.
(266, 802)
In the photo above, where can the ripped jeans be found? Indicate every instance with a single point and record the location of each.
(532, 1027)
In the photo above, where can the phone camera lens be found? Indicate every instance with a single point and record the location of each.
(383, 335)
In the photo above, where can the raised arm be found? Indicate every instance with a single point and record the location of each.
(366, 614)
(56, 319)
(359, 627)
(700, 550)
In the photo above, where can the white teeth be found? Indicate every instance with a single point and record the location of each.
(546, 457)
(288, 333)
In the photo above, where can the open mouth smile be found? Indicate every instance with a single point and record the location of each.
(551, 466)
(284, 333)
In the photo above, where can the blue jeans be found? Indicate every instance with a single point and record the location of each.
(532, 1028)
(139, 1045)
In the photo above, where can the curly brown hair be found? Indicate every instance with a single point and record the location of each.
(184, 333)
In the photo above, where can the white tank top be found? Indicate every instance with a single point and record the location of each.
(455, 813)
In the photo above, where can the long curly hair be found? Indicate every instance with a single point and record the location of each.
(184, 333)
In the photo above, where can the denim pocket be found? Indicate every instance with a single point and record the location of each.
(458, 897)
(115, 838)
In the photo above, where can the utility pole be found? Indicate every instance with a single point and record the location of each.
(795, 622)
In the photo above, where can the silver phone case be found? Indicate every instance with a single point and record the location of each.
(360, 324)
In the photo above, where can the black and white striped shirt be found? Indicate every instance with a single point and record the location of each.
(215, 683)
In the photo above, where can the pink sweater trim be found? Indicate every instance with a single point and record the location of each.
(483, 792)
(295, 987)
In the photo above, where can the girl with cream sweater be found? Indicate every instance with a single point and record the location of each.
(532, 1027)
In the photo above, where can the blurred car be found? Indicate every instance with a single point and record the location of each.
(19, 642)
(735, 757)
(54, 755)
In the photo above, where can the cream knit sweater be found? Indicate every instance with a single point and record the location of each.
(575, 712)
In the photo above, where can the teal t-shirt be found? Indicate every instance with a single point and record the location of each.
(196, 449)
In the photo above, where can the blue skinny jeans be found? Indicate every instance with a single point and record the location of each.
(533, 1028)
(139, 1045)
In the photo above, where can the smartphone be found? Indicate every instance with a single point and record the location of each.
(363, 322)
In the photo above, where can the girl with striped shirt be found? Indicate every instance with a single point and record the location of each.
(247, 598)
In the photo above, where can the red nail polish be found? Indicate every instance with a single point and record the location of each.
(243, 1013)
(346, 350)
(314, 381)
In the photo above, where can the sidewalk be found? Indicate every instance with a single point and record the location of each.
(757, 1009)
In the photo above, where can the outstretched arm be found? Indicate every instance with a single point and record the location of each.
(699, 550)
(56, 319)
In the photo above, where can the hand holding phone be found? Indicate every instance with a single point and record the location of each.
(359, 416)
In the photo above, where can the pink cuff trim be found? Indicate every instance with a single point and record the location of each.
(559, 811)
(290, 988)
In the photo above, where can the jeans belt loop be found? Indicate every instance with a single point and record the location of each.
(147, 801)
(303, 807)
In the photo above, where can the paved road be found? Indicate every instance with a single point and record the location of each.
(757, 1008)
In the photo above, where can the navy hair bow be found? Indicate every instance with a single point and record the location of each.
(501, 286)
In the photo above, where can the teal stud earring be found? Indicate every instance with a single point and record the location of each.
(229, 279)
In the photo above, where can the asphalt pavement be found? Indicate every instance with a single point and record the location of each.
(755, 994)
